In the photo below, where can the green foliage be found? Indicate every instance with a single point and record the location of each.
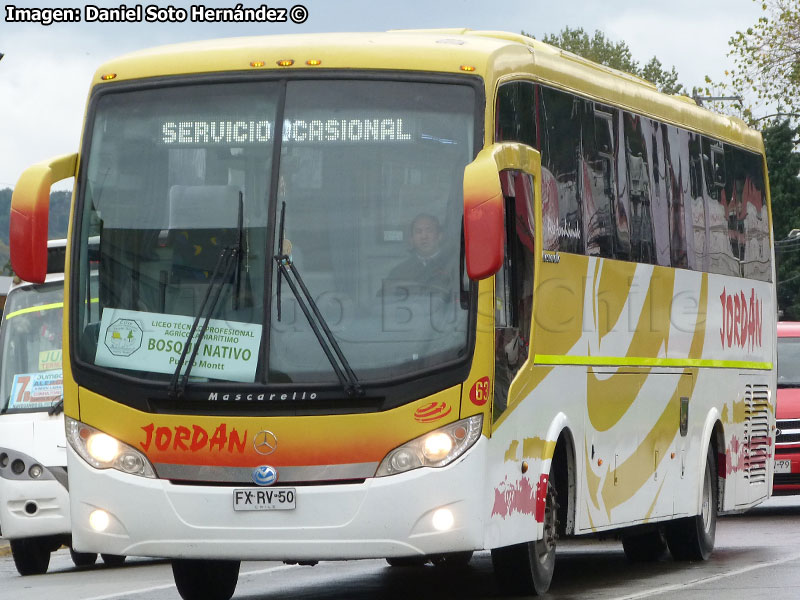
(617, 55)
(783, 164)
(766, 56)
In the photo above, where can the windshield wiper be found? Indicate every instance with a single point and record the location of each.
(789, 385)
(57, 408)
(327, 341)
(230, 256)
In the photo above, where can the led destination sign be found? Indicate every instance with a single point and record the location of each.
(386, 129)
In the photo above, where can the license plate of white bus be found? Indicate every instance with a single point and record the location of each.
(264, 499)
(783, 466)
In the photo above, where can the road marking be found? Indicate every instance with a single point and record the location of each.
(694, 582)
(167, 586)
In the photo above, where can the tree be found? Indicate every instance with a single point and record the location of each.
(617, 55)
(767, 57)
(783, 166)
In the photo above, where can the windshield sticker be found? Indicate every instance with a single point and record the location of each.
(49, 360)
(36, 390)
(145, 341)
(381, 129)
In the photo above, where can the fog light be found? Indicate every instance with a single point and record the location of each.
(443, 519)
(35, 471)
(99, 520)
(17, 466)
(3, 459)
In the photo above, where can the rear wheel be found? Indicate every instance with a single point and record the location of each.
(31, 555)
(527, 568)
(82, 559)
(113, 560)
(693, 538)
(205, 579)
(644, 547)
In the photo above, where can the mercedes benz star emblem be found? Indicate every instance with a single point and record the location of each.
(265, 442)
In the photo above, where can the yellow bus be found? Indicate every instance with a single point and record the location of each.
(406, 295)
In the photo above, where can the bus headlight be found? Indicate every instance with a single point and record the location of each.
(105, 452)
(436, 448)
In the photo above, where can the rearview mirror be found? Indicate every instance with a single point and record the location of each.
(484, 217)
(30, 205)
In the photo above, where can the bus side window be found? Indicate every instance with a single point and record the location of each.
(680, 212)
(559, 116)
(640, 221)
(598, 183)
(515, 114)
(699, 213)
(514, 285)
(749, 181)
(721, 212)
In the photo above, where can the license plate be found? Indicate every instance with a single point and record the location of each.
(264, 499)
(783, 466)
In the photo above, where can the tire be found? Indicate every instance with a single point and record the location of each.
(692, 538)
(205, 579)
(645, 547)
(31, 556)
(407, 561)
(527, 569)
(82, 559)
(452, 560)
(113, 560)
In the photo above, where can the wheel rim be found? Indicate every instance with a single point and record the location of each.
(706, 508)
(547, 545)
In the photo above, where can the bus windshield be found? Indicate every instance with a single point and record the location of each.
(30, 376)
(192, 189)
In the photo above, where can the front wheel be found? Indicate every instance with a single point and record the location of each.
(205, 579)
(692, 538)
(527, 568)
(113, 560)
(82, 559)
(31, 555)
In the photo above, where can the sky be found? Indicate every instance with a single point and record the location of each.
(46, 71)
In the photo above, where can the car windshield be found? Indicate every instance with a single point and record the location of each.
(789, 361)
(187, 189)
(30, 377)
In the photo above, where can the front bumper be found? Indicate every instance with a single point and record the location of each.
(381, 517)
(33, 508)
(786, 483)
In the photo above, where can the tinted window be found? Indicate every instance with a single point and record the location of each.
(637, 159)
(559, 117)
(516, 118)
(721, 212)
(599, 180)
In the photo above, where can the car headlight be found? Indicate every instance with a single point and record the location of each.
(105, 452)
(436, 448)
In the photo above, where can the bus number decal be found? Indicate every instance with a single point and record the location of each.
(479, 394)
